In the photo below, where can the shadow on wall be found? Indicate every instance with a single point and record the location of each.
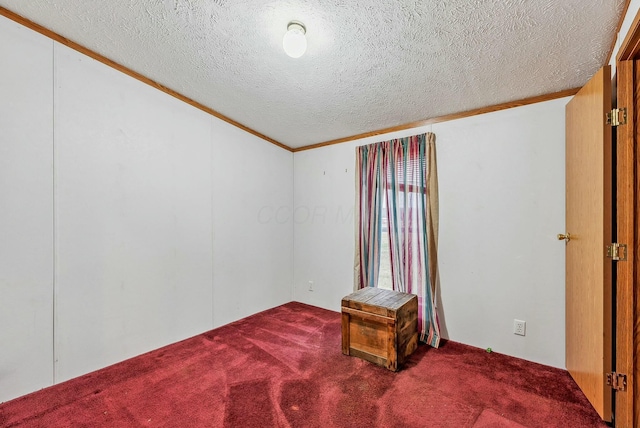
(444, 332)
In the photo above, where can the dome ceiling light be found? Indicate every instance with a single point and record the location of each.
(295, 41)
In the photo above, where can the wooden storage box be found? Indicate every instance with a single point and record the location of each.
(380, 326)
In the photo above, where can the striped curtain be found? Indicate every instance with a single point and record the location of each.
(397, 189)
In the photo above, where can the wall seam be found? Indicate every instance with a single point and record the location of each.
(293, 227)
(54, 207)
(211, 172)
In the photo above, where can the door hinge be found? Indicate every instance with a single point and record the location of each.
(617, 116)
(617, 381)
(617, 252)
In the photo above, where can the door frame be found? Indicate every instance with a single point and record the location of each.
(627, 411)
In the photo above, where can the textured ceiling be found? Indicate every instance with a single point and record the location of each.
(369, 64)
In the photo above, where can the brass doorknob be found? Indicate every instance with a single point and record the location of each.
(563, 237)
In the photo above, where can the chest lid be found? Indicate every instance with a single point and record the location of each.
(377, 300)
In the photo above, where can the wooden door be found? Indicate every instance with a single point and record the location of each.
(588, 221)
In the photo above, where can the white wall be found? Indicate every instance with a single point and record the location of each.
(133, 217)
(501, 181)
(253, 258)
(26, 211)
(152, 207)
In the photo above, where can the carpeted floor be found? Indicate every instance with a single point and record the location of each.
(284, 368)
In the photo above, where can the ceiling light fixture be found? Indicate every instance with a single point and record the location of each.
(294, 41)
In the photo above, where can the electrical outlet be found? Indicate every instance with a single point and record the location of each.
(519, 327)
(310, 285)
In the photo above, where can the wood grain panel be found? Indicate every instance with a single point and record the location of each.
(392, 348)
(380, 326)
(625, 207)
(369, 316)
(635, 253)
(370, 336)
(630, 51)
(345, 332)
(375, 359)
(588, 219)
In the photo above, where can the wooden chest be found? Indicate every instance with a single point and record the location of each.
(380, 326)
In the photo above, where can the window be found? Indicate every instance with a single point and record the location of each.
(397, 214)
(411, 182)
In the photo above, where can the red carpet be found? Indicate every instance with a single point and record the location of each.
(284, 368)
